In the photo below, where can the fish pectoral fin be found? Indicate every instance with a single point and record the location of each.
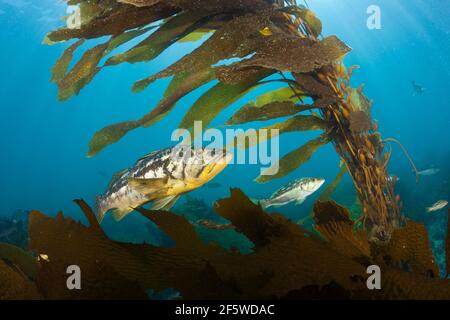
(165, 203)
(119, 214)
(299, 201)
(147, 186)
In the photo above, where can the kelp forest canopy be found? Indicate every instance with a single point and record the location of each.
(266, 38)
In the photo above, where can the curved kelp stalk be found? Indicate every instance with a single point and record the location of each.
(264, 38)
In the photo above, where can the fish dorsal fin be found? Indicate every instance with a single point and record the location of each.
(116, 177)
(165, 203)
(147, 186)
(151, 154)
(154, 153)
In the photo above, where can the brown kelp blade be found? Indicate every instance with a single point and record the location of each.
(231, 41)
(216, 99)
(293, 160)
(113, 18)
(182, 84)
(294, 124)
(167, 34)
(300, 55)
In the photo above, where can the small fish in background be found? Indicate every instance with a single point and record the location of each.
(438, 206)
(208, 224)
(213, 185)
(161, 177)
(393, 178)
(297, 190)
(417, 89)
(428, 172)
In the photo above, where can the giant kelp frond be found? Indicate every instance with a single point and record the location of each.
(257, 38)
(236, 33)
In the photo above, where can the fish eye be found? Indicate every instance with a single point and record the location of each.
(213, 152)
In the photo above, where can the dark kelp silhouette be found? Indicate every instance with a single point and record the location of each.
(267, 38)
(287, 261)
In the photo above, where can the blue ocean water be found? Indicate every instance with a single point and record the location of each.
(43, 142)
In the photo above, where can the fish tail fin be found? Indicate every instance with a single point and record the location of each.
(264, 203)
(100, 208)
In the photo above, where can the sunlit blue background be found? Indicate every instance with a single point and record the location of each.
(43, 142)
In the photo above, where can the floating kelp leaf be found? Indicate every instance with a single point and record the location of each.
(229, 76)
(294, 159)
(334, 223)
(82, 73)
(115, 19)
(62, 65)
(110, 135)
(297, 123)
(232, 41)
(329, 190)
(360, 122)
(182, 84)
(170, 32)
(272, 110)
(125, 37)
(311, 86)
(282, 94)
(210, 104)
(290, 53)
(25, 261)
(240, 210)
(195, 35)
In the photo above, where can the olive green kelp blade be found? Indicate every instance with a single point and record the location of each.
(71, 82)
(169, 33)
(113, 19)
(182, 84)
(216, 99)
(273, 110)
(234, 40)
(82, 73)
(297, 123)
(294, 159)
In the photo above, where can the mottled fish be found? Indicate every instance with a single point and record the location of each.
(161, 177)
(438, 206)
(297, 190)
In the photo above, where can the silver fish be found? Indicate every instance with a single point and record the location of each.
(429, 172)
(297, 190)
(438, 206)
(162, 177)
